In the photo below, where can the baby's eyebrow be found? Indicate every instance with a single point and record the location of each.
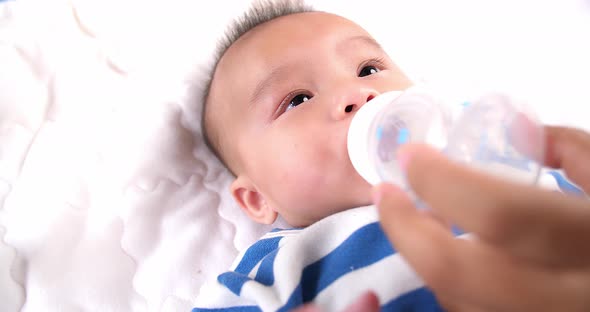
(264, 84)
(344, 44)
(279, 71)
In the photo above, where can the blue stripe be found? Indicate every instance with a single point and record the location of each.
(342, 260)
(289, 229)
(256, 253)
(233, 281)
(456, 230)
(230, 309)
(265, 274)
(419, 300)
(565, 185)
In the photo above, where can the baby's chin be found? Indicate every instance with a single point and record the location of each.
(364, 202)
(339, 209)
(360, 202)
(359, 189)
(360, 196)
(362, 193)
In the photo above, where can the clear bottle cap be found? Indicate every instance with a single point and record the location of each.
(494, 134)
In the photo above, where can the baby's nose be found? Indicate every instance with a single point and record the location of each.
(350, 105)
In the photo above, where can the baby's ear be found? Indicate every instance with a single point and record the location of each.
(252, 201)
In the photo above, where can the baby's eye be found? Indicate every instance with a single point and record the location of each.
(368, 70)
(298, 99)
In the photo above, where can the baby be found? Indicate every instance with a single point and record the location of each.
(286, 84)
(283, 93)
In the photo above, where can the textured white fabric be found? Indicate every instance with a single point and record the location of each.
(108, 199)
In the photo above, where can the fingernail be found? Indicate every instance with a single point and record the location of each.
(403, 157)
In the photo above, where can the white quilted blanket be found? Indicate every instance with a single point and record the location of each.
(109, 200)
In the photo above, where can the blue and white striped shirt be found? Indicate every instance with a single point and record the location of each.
(330, 263)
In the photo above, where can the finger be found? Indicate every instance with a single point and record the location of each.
(527, 137)
(569, 149)
(490, 280)
(418, 237)
(367, 302)
(468, 274)
(524, 219)
(428, 247)
(452, 304)
(307, 308)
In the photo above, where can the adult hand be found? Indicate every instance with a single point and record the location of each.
(367, 302)
(531, 247)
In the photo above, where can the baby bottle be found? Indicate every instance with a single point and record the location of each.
(492, 133)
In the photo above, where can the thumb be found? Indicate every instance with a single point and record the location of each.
(396, 210)
(402, 222)
(424, 242)
(394, 207)
(569, 149)
(367, 302)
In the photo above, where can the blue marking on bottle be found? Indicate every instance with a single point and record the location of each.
(484, 154)
(466, 104)
(519, 163)
(565, 185)
(379, 133)
(403, 136)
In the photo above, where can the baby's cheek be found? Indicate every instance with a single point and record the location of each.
(300, 165)
(302, 176)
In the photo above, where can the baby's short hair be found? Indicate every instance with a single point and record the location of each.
(260, 12)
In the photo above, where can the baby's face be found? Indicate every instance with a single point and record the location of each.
(284, 96)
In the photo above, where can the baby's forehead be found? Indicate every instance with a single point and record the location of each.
(283, 45)
(283, 34)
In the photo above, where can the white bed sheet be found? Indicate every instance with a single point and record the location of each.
(109, 200)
